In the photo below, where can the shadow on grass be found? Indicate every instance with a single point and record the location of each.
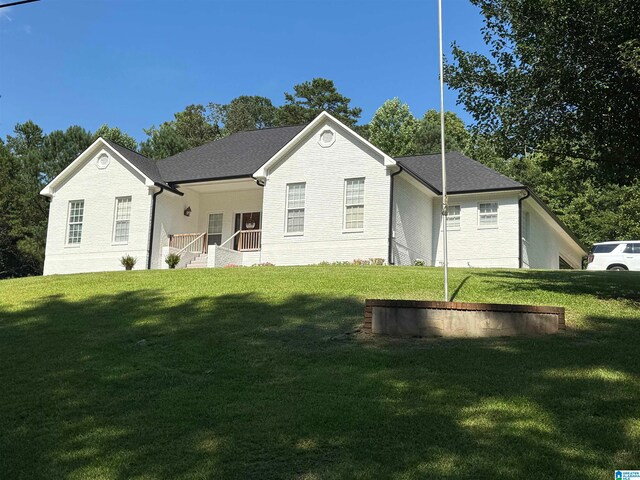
(142, 385)
(603, 285)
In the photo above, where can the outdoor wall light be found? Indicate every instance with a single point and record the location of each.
(187, 211)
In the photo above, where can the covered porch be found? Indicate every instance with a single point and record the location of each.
(216, 224)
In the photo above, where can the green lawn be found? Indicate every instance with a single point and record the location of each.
(258, 373)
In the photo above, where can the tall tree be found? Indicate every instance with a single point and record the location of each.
(192, 125)
(117, 136)
(60, 148)
(244, 113)
(393, 128)
(456, 135)
(11, 258)
(312, 97)
(163, 141)
(190, 128)
(24, 212)
(561, 76)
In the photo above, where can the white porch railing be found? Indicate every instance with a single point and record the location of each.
(189, 242)
(248, 240)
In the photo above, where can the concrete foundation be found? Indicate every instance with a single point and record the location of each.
(405, 318)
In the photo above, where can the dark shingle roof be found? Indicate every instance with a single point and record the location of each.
(463, 173)
(240, 154)
(145, 165)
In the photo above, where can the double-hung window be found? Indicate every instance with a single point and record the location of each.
(453, 217)
(76, 217)
(354, 204)
(488, 214)
(122, 220)
(295, 208)
(214, 230)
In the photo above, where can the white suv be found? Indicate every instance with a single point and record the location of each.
(615, 256)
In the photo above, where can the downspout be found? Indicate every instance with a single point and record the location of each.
(520, 249)
(391, 215)
(261, 183)
(153, 219)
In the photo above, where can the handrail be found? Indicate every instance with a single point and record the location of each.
(179, 252)
(254, 239)
(230, 238)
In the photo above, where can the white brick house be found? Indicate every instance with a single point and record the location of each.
(293, 196)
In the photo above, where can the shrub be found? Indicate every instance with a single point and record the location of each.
(419, 262)
(128, 262)
(263, 264)
(173, 259)
(377, 261)
(360, 262)
(231, 265)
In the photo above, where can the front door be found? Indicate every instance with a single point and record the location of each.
(214, 230)
(246, 221)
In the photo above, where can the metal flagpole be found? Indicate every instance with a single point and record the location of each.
(445, 200)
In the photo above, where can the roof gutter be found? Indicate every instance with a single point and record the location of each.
(520, 217)
(210, 179)
(390, 253)
(152, 223)
(168, 188)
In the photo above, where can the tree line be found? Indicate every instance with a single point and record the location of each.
(555, 104)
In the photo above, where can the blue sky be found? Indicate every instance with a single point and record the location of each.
(133, 63)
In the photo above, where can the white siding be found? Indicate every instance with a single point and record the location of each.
(324, 171)
(412, 221)
(99, 189)
(472, 245)
(547, 241)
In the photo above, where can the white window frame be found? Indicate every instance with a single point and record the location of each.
(122, 220)
(449, 216)
(346, 229)
(289, 209)
(69, 223)
(221, 226)
(496, 213)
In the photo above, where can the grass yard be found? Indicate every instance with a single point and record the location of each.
(256, 373)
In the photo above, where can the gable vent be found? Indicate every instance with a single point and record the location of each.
(102, 161)
(327, 137)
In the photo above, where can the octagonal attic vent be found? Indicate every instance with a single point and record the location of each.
(327, 137)
(102, 161)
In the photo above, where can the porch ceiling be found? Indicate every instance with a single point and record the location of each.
(221, 185)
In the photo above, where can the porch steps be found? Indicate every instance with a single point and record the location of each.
(199, 262)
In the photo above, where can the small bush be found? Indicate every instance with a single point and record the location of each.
(128, 262)
(419, 263)
(360, 262)
(231, 265)
(173, 259)
(263, 264)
